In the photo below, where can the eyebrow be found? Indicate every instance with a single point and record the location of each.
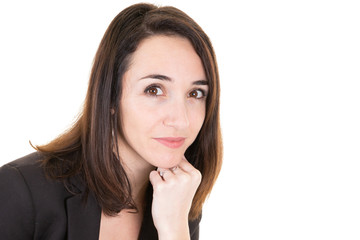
(166, 78)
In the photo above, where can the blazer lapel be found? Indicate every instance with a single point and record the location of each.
(148, 230)
(83, 216)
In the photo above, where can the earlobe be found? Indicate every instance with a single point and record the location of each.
(112, 111)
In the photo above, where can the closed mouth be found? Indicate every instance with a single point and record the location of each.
(171, 142)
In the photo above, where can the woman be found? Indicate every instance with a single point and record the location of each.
(151, 113)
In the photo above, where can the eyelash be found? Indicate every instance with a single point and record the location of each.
(147, 91)
(202, 93)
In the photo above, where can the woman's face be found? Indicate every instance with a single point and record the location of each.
(163, 101)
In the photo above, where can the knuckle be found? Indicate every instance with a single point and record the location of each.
(172, 182)
(185, 179)
(197, 174)
(152, 174)
(159, 187)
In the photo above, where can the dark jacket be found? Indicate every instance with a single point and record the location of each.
(35, 207)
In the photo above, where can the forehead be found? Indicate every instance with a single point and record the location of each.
(168, 55)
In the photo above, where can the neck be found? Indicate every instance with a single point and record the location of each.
(139, 181)
(137, 170)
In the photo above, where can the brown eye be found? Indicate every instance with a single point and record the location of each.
(154, 91)
(197, 94)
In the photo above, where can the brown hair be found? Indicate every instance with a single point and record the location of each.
(86, 149)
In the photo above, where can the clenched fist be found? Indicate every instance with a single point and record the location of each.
(174, 190)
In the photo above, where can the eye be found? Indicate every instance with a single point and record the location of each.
(154, 91)
(198, 94)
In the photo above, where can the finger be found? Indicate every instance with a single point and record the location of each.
(162, 172)
(159, 169)
(165, 174)
(166, 169)
(174, 169)
(186, 166)
(155, 178)
(191, 170)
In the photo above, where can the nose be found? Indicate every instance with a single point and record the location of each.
(177, 115)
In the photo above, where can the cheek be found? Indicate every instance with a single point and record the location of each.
(197, 120)
(138, 117)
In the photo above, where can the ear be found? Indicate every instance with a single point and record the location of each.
(112, 111)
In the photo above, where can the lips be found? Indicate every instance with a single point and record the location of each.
(171, 142)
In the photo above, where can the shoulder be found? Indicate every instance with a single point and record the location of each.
(27, 164)
(27, 173)
(16, 200)
(28, 197)
(29, 169)
(14, 176)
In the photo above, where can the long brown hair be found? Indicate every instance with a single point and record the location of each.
(87, 148)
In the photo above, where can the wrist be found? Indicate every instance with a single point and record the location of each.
(174, 232)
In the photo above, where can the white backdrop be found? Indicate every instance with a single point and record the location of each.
(290, 73)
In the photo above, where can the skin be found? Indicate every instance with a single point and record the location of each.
(164, 95)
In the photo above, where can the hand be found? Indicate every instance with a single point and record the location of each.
(172, 198)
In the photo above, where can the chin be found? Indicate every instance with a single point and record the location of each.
(167, 161)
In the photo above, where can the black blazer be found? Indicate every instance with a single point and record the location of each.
(34, 207)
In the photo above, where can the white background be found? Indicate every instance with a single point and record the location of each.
(290, 73)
